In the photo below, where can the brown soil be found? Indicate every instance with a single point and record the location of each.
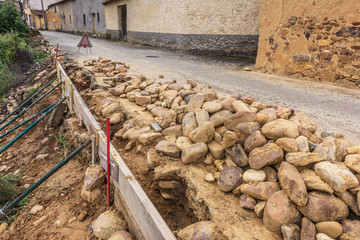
(60, 194)
(176, 213)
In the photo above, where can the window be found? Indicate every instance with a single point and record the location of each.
(98, 17)
(55, 9)
(84, 18)
(64, 18)
(70, 18)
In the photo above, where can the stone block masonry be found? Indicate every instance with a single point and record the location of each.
(318, 41)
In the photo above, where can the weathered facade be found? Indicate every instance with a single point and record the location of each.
(89, 16)
(77, 16)
(192, 26)
(34, 14)
(317, 40)
(53, 19)
(65, 12)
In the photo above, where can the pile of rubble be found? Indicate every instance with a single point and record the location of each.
(108, 67)
(301, 181)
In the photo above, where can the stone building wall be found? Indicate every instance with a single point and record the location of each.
(53, 20)
(38, 22)
(66, 14)
(311, 39)
(94, 16)
(193, 26)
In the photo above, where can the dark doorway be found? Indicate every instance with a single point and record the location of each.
(122, 22)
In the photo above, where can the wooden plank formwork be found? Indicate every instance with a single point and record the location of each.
(144, 220)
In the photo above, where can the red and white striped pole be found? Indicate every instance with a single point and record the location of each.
(108, 160)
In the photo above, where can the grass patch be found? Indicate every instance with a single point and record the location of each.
(40, 56)
(30, 92)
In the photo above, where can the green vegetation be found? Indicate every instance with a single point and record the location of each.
(14, 36)
(2, 98)
(8, 193)
(10, 20)
(7, 189)
(63, 141)
(29, 93)
(11, 28)
(40, 56)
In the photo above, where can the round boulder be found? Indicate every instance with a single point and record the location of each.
(279, 129)
(253, 175)
(107, 224)
(230, 178)
(280, 210)
(332, 229)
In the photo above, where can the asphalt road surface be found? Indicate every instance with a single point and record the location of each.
(332, 107)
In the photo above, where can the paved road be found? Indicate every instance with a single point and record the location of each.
(333, 108)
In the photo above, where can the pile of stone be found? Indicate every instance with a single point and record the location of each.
(299, 180)
(108, 67)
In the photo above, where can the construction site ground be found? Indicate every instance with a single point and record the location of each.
(67, 216)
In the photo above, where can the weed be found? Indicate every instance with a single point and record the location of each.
(30, 92)
(33, 90)
(2, 98)
(40, 56)
(12, 178)
(58, 159)
(7, 189)
(62, 141)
